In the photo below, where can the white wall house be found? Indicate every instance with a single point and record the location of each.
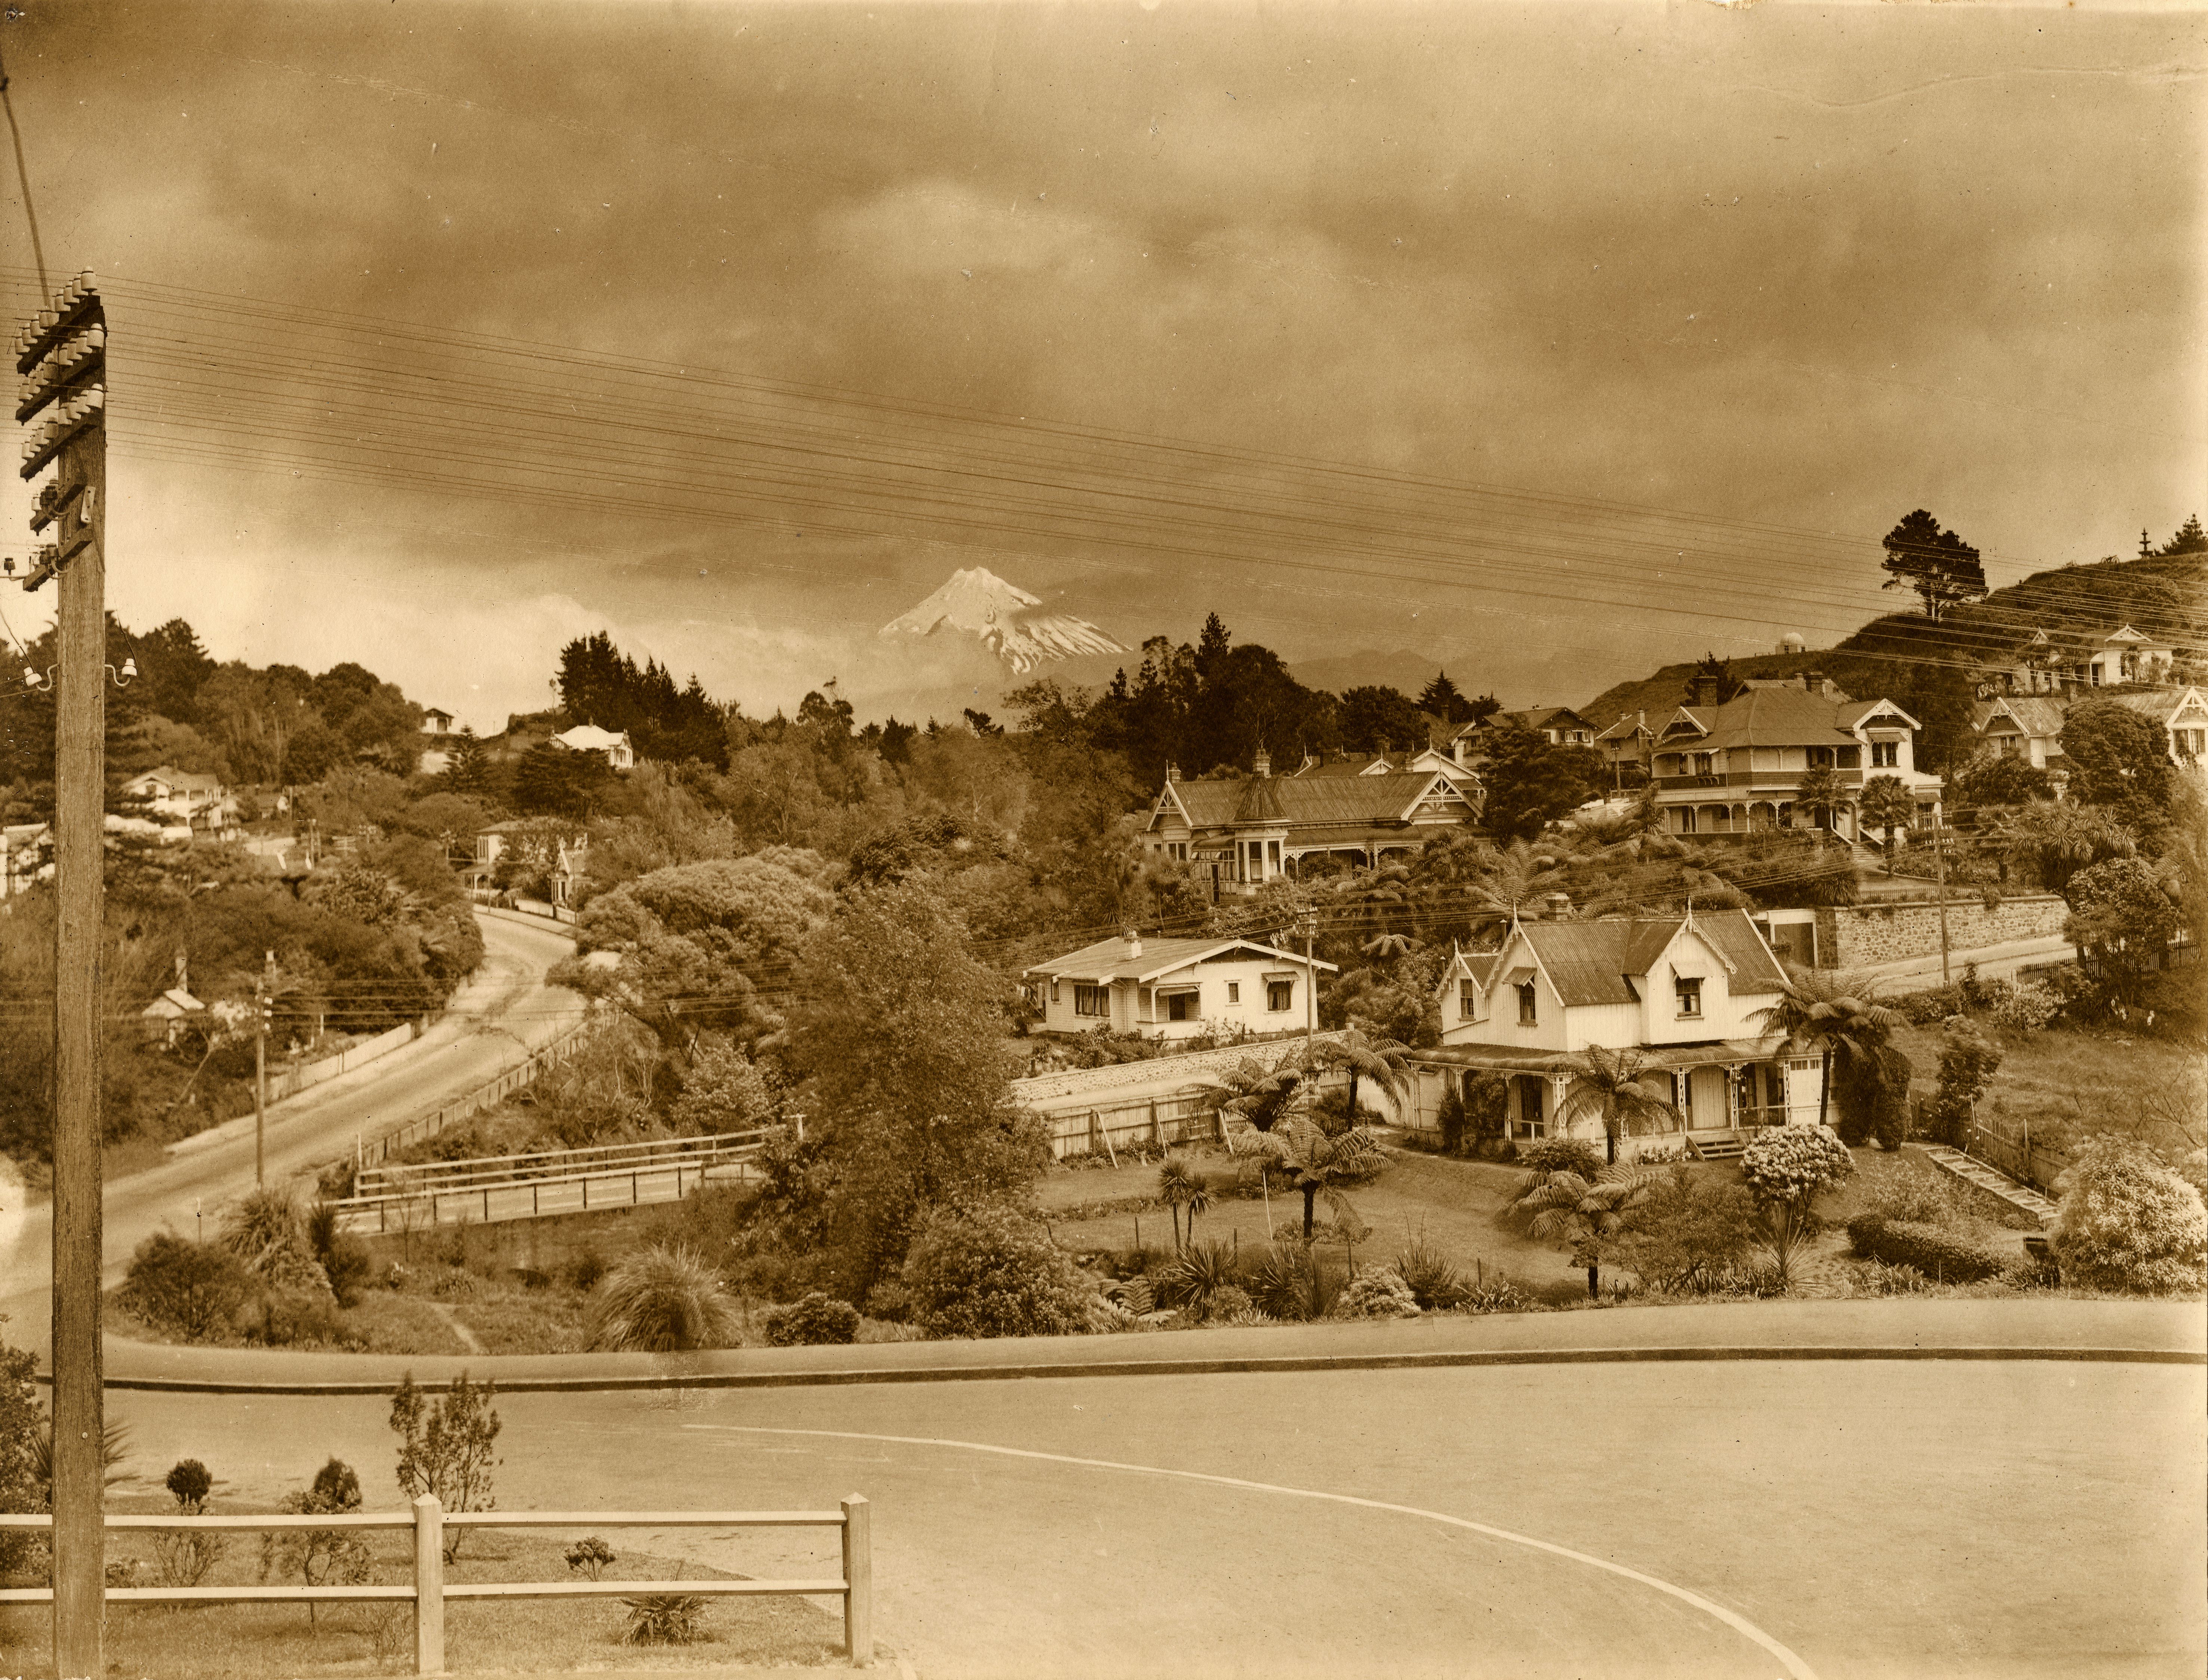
(590, 738)
(1681, 990)
(2129, 656)
(186, 799)
(1176, 988)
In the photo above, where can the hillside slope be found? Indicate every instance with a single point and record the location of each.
(2077, 606)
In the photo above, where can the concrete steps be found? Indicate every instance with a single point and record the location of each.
(1978, 1173)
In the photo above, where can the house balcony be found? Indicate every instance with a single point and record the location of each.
(1770, 782)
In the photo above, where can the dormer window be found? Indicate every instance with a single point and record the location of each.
(1689, 993)
(1529, 1011)
(1467, 1001)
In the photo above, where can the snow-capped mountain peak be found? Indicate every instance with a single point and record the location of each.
(1005, 618)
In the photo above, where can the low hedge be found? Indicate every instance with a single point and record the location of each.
(1939, 1256)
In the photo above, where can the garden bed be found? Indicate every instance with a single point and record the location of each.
(247, 1642)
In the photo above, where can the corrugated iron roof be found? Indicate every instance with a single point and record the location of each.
(1593, 961)
(1305, 801)
(1108, 960)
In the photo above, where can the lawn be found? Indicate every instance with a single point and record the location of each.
(545, 1634)
(2069, 1085)
(1455, 1205)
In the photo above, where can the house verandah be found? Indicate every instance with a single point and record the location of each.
(1723, 1089)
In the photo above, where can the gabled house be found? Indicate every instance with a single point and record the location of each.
(1450, 763)
(1735, 767)
(2182, 714)
(1681, 990)
(2024, 727)
(590, 738)
(1559, 724)
(435, 721)
(2129, 656)
(1176, 988)
(1259, 827)
(186, 799)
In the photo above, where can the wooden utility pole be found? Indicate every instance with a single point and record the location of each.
(1940, 864)
(260, 1081)
(62, 356)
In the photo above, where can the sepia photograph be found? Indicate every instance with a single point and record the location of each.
(1076, 839)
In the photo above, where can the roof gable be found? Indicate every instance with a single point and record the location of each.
(1109, 960)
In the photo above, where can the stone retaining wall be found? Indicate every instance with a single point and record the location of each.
(1855, 936)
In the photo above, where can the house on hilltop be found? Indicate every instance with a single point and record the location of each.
(1681, 990)
(590, 738)
(1259, 827)
(1177, 988)
(1559, 724)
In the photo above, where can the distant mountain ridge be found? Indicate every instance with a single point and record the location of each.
(1004, 618)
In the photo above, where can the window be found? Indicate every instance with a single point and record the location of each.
(1529, 1007)
(1280, 995)
(1272, 856)
(1091, 1000)
(1467, 1001)
(1233, 991)
(1820, 758)
(1885, 755)
(1851, 758)
(1690, 996)
(1684, 815)
(1054, 991)
(1181, 1006)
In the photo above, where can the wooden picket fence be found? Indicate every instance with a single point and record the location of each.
(371, 1152)
(428, 1591)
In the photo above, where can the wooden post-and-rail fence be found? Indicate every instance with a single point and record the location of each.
(429, 1591)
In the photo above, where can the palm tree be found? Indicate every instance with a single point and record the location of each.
(1384, 1061)
(1385, 947)
(1828, 1011)
(1319, 1165)
(1179, 1188)
(1585, 1215)
(1608, 1086)
(1251, 1093)
(1821, 794)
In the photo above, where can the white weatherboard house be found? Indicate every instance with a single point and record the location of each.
(590, 738)
(1682, 990)
(1175, 988)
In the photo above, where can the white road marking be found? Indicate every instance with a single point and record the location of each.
(1740, 1624)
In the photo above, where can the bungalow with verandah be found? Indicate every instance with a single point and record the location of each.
(1682, 991)
(1259, 827)
(1176, 988)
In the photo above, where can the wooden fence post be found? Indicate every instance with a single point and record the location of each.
(858, 1582)
(428, 1585)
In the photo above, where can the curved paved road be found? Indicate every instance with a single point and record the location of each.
(503, 1012)
(1849, 1521)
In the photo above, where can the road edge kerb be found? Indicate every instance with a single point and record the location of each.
(1250, 1365)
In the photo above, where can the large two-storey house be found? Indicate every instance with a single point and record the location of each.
(1243, 832)
(1682, 991)
(1736, 767)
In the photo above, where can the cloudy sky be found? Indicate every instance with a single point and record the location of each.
(1544, 341)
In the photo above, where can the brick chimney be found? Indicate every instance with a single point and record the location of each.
(1262, 763)
(1705, 691)
(1813, 682)
(1132, 943)
(1172, 771)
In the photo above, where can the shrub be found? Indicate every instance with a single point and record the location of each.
(1455, 1125)
(1938, 1256)
(1911, 1189)
(1375, 1293)
(1560, 1155)
(1433, 1281)
(889, 1301)
(1794, 1163)
(1195, 1276)
(663, 1300)
(1968, 1061)
(1293, 1283)
(280, 1319)
(1497, 1294)
(22, 1488)
(344, 1259)
(2126, 1222)
(1870, 1095)
(990, 1270)
(267, 1234)
(1925, 1009)
(584, 1270)
(1231, 1305)
(189, 1485)
(588, 1556)
(446, 1447)
(191, 1288)
(318, 1557)
(815, 1320)
(1689, 1229)
(663, 1619)
(1876, 1278)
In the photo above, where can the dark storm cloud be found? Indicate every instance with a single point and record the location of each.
(1804, 267)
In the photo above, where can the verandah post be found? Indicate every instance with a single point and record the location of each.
(429, 1585)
